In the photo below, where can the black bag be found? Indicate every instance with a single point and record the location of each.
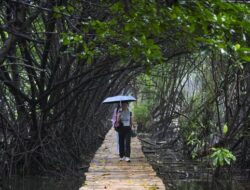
(118, 125)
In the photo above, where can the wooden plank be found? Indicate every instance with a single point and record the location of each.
(107, 172)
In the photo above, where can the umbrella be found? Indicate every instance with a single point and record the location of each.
(117, 99)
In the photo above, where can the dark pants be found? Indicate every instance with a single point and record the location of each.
(124, 141)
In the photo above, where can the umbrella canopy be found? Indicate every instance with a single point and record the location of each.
(117, 99)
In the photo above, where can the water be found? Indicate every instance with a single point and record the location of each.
(40, 183)
(45, 183)
(201, 185)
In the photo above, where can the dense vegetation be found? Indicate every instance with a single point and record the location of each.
(60, 59)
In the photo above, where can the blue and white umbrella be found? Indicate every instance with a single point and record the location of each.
(117, 99)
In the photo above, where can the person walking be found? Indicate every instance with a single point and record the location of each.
(116, 111)
(125, 116)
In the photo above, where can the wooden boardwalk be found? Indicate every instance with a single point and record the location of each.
(107, 172)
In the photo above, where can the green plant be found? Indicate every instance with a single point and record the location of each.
(194, 141)
(142, 113)
(222, 156)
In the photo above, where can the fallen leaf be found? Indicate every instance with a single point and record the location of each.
(105, 174)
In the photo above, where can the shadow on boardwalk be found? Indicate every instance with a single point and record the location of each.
(107, 172)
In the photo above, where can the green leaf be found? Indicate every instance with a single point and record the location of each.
(116, 7)
(245, 49)
(237, 47)
(66, 41)
(70, 9)
(221, 160)
(215, 161)
(225, 129)
(89, 60)
(57, 12)
(227, 161)
(245, 58)
(233, 158)
(214, 155)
